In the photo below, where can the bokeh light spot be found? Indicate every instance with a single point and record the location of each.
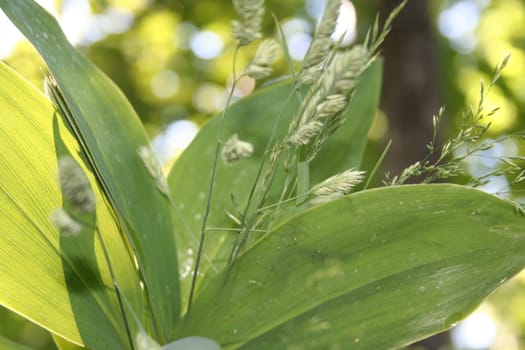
(476, 332)
(165, 84)
(206, 44)
(116, 20)
(379, 127)
(346, 24)
(458, 23)
(177, 136)
(209, 98)
(298, 38)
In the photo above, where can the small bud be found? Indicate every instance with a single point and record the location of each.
(65, 224)
(235, 149)
(75, 186)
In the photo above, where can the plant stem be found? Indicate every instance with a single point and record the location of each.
(266, 183)
(378, 164)
(210, 189)
(115, 285)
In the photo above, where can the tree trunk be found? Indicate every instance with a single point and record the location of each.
(410, 95)
(411, 82)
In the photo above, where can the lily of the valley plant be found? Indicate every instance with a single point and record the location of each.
(264, 234)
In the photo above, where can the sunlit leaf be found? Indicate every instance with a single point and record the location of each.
(111, 134)
(60, 283)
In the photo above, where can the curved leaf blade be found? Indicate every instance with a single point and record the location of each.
(253, 118)
(377, 269)
(62, 284)
(111, 134)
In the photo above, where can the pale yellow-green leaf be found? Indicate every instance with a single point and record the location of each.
(62, 284)
(111, 134)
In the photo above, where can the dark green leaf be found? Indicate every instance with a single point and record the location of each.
(375, 270)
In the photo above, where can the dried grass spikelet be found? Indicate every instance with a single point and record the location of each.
(248, 28)
(348, 67)
(340, 184)
(152, 164)
(331, 105)
(328, 98)
(321, 43)
(265, 56)
(75, 186)
(305, 133)
(66, 225)
(235, 149)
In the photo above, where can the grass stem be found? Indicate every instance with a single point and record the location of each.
(211, 186)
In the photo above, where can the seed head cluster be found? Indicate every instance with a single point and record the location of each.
(321, 113)
(339, 184)
(321, 44)
(248, 27)
(260, 66)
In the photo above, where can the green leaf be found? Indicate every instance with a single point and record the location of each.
(378, 269)
(253, 119)
(62, 284)
(111, 133)
(63, 344)
(6, 344)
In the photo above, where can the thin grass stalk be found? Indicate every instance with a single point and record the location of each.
(212, 184)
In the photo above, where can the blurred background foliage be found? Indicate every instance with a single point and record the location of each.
(172, 58)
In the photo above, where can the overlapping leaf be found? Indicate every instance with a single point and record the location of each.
(375, 270)
(111, 133)
(253, 119)
(62, 284)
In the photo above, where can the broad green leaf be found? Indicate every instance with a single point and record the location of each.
(62, 284)
(111, 133)
(253, 119)
(375, 270)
